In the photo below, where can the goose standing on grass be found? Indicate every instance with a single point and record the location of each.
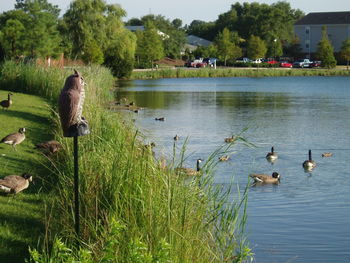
(5, 104)
(14, 184)
(309, 164)
(272, 156)
(190, 171)
(14, 138)
(266, 179)
(49, 147)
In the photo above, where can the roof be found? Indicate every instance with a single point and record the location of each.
(325, 18)
(197, 41)
(135, 28)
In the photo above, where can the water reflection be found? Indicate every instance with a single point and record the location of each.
(309, 210)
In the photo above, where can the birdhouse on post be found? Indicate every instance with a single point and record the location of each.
(70, 107)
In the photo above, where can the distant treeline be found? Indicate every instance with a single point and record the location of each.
(93, 31)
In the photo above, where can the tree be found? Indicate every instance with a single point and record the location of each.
(120, 55)
(325, 51)
(256, 47)
(42, 38)
(345, 51)
(226, 48)
(12, 34)
(98, 35)
(39, 37)
(274, 48)
(149, 45)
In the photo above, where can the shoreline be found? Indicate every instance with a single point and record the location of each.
(234, 72)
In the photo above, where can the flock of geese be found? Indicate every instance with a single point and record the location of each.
(272, 156)
(16, 183)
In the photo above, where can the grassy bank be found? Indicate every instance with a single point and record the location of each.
(133, 209)
(22, 216)
(235, 72)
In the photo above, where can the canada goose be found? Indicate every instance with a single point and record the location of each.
(5, 104)
(15, 138)
(132, 103)
(266, 179)
(160, 119)
(70, 106)
(15, 183)
(190, 171)
(224, 158)
(230, 139)
(271, 156)
(309, 164)
(327, 154)
(176, 138)
(49, 147)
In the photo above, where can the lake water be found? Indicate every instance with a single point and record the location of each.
(306, 218)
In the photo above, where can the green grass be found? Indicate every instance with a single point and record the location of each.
(132, 210)
(235, 72)
(22, 215)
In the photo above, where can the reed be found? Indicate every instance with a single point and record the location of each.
(235, 72)
(132, 208)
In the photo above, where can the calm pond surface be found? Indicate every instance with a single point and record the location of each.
(306, 218)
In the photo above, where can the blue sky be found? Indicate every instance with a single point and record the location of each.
(188, 10)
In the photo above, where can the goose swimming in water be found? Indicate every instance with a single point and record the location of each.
(190, 171)
(309, 164)
(271, 156)
(266, 179)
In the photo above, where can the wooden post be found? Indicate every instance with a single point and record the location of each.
(76, 188)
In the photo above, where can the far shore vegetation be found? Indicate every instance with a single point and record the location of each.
(93, 32)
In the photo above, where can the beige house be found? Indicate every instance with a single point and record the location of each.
(309, 30)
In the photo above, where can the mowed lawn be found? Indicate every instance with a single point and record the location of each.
(22, 215)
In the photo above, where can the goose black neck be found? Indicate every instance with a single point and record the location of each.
(198, 168)
(310, 158)
(272, 149)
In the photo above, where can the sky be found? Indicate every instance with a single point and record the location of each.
(189, 10)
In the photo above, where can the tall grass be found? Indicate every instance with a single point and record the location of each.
(132, 208)
(235, 72)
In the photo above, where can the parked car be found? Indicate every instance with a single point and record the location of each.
(302, 63)
(271, 61)
(258, 60)
(210, 61)
(243, 60)
(286, 64)
(315, 64)
(197, 63)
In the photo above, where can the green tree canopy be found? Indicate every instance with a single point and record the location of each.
(256, 47)
(149, 45)
(39, 19)
(345, 51)
(12, 37)
(325, 51)
(226, 47)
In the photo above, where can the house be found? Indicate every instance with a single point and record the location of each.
(193, 42)
(309, 30)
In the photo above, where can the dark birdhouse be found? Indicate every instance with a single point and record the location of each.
(70, 106)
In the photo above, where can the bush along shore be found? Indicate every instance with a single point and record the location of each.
(235, 72)
(133, 208)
